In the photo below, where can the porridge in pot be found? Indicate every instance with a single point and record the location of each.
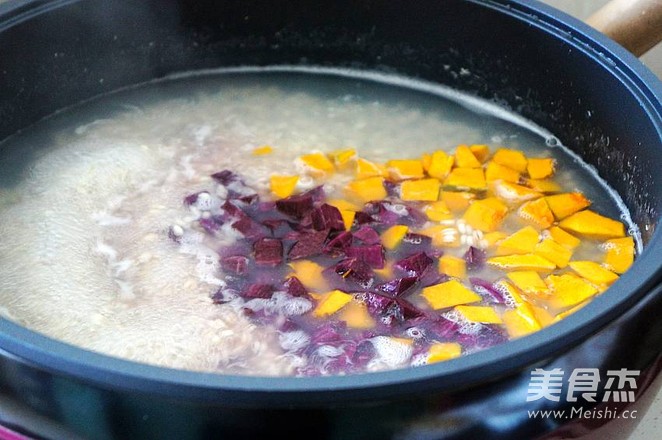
(298, 223)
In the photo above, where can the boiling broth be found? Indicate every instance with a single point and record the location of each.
(89, 198)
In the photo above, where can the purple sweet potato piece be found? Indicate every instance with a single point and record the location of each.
(443, 328)
(327, 217)
(294, 287)
(339, 243)
(269, 275)
(224, 295)
(488, 336)
(363, 353)
(316, 193)
(264, 207)
(191, 199)
(236, 264)
(432, 277)
(415, 217)
(487, 290)
(308, 244)
(402, 310)
(296, 206)
(414, 239)
(211, 225)
(392, 188)
(278, 227)
(268, 251)
(249, 199)
(372, 254)
(354, 271)
(362, 218)
(384, 212)
(390, 213)
(225, 177)
(367, 235)
(175, 236)
(249, 228)
(232, 211)
(475, 258)
(258, 291)
(305, 223)
(398, 287)
(414, 265)
(329, 332)
(412, 243)
(236, 187)
(288, 325)
(376, 302)
(241, 247)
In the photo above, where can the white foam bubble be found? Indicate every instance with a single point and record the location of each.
(390, 352)
(293, 340)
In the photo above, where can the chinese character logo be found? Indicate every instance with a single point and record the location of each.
(626, 379)
(582, 382)
(545, 384)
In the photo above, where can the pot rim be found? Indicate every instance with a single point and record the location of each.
(61, 358)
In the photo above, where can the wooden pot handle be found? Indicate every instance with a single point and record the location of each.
(634, 24)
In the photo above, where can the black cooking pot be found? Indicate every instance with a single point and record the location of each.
(593, 95)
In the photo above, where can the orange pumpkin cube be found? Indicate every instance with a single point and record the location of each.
(440, 164)
(283, 186)
(619, 254)
(554, 252)
(457, 201)
(512, 192)
(400, 169)
(523, 241)
(464, 158)
(392, 237)
(543, 185)
(466, 179)
(437, 211)
(482, 152)
(568, 290)
(593, 225)
(343, 158)
(562, 237)
(540, 168)
(529, 282)
(452, 266)
(331, 303)
(537, 213)
(520, 321)
(263, 150)
(317, 163)
(511, 158)
(347, 218)
(491, 239)
(449, 294)
(443, 351)
(442, 235)
(495, 171)
(594, 272)
(420, 190)
(485, 214)
(366, 168)
(356, 315)
(482, 314)
(522, 262)
(310, 274)
(365, 190)
(563, 205)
